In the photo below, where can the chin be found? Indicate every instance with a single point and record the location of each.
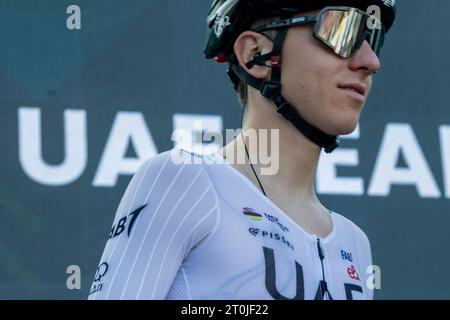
(340, 126)
(347, 129)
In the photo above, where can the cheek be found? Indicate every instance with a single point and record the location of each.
(308, 79)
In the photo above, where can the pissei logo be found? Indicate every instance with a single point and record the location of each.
(254, 231)
(270, 235)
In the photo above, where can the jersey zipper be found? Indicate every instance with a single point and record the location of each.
(323, 282)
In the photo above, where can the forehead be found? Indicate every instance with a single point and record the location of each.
(308, 13)
(316, 11)
(269, 19)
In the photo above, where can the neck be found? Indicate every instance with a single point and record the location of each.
(293, 157)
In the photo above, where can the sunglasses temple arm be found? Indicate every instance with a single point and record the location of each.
(286, 23)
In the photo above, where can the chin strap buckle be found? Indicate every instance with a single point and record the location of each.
(333, 146)
(270, 89)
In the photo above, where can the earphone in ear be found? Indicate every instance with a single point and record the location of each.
(260, 60)
(254, 61)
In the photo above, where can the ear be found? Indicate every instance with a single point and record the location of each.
(247, 46)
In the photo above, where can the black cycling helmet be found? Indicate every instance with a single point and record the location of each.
(227, 19)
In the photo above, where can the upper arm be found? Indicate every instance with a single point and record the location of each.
(166, 210)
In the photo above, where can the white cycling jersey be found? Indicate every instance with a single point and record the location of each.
(193, 227)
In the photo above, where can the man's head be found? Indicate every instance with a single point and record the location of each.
(313, 58)
(228, 18)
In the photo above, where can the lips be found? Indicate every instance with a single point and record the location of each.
(355, 87)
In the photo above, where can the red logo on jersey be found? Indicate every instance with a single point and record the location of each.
(352, 273)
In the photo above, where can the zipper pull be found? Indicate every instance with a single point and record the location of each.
(320, 250)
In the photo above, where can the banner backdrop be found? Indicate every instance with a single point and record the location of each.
(89, 89)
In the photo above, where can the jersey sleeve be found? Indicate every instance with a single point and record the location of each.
(168, 208)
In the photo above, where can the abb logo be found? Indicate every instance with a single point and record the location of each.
(118, 228)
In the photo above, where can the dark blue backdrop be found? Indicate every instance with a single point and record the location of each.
(75, 103)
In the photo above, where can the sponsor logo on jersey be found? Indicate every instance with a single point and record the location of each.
(252, 214)
(121, 225)
(267, 234)
(101, 271)
(352, 273)
(254, 231)
(322, 291)
(346, 256)
(275, 221)
(255, 216)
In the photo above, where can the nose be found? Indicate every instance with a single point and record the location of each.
(365, 59)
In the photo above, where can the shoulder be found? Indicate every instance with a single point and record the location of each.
(353, 234)
(351, 227)
(173, 159)
(174, 172)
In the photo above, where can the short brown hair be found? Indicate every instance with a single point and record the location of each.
(242, 92)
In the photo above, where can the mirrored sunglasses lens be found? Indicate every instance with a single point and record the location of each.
(341, 30)
(376, 40)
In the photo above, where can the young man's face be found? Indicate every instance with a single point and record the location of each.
(313, 78)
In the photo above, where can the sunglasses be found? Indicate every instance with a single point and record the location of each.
(342, 29)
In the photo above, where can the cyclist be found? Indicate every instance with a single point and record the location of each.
(212, 231)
